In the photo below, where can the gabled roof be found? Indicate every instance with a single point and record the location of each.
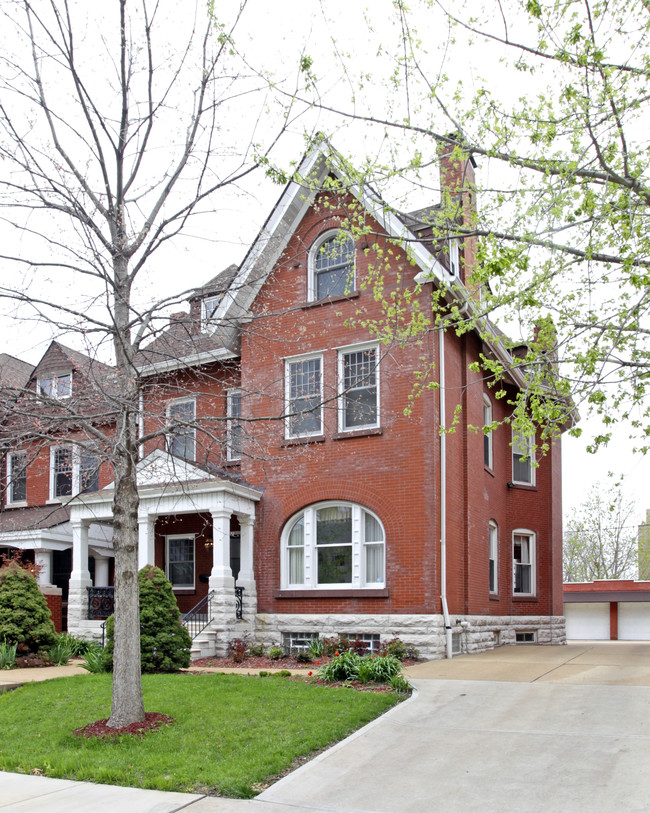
(319, 162)
(14, 373)
(218, 284)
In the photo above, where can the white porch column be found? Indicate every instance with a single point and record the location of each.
(80, 576)
(43, 562)
(221, 576)
(101, 571)
(246, 578)
(146, 539)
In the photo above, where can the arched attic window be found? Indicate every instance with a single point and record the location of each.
(331, 266)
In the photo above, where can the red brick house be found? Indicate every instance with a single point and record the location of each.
(281, 480)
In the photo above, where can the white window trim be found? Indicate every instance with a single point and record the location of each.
(191, 428)
(487, 420)
(287, 396)
(532, 543)
(231, 453)
(311, 262)
(10, 490)
(55, 377)
(516, 447)
(310, 566)
(77, 451)
(454, 257)
(206, 320)
(181, 536)
(493, 554)
(341, 403)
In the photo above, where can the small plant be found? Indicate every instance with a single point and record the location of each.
(283, 673)
(238, 649)
(7, 655)
(343, 666)
(263, 673)
(79, 646)
(359, 646)
(93, 659)
(257, 650)
(400, 684)
(62, 652)
(399, 649)
(337, 643)
(276, 652)
(316, 647)
(303, 656)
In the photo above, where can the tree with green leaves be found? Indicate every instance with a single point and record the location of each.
(549, 97)
(600, 540)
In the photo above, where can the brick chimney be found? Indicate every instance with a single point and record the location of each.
(458, 198)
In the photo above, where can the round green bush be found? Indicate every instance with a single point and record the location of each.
(164, 644)
(25, 618)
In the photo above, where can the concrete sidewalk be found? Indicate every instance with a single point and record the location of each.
(561, 730)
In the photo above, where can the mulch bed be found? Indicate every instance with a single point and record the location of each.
(262, 662)
(152, 721)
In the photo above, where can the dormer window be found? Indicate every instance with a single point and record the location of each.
(331, 266)
(209, 307)
(55, 386)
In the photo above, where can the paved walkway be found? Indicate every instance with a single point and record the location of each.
(516, 730)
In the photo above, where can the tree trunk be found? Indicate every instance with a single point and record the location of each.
(128, 705)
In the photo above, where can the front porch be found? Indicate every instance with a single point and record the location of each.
(195, 526)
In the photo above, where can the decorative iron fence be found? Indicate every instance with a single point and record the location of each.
(101, 602)
(239, 603)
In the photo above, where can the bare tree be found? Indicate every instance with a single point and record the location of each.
(600, 538)
(110, 143)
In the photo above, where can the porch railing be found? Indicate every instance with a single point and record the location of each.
(198, 618)
(101, 602)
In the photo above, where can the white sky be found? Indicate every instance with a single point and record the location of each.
(274, 36)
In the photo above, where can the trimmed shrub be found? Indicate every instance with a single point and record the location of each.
(164, 644)
(25, 618)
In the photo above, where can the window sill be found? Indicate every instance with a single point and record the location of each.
(522, 486)
(57, 500)
(229, 463)
(303, 441)
(21, 504)
(489, 470)
(359, 433)
(331, 299)
(184, 591)
(343, 592)
(495, 597)
(520, 598)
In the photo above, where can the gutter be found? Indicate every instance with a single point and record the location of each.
(443, 494)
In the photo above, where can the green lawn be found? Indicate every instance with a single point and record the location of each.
(231, 732)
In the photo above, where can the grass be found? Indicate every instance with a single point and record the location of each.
(231, 732)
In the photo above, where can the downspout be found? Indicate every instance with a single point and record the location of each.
(443, 494)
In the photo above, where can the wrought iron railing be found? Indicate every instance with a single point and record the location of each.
(239, 603)
(199, 616)
(101, 602)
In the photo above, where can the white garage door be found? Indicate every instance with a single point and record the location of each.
(634, 621)
(589, 621)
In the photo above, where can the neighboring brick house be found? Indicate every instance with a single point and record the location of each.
(278, 457)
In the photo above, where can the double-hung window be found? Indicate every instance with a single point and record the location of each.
(304, 396)
(523, 563)
(487, 433)
(182, 433)
(180, 561)
(234, 429)
(17, 478)
(73, 470)
(331, 266)
(454, 256)
(358, 388)
(55, 386)
(493, 556)
(523, 471)
(333, 545)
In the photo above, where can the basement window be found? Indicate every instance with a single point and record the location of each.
(526, 637)
(293, 642)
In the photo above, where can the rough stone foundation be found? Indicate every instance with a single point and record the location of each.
(426, 632)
